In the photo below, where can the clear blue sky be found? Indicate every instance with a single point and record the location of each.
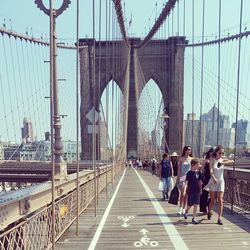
(25, 15)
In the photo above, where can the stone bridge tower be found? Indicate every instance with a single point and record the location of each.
(160, 60)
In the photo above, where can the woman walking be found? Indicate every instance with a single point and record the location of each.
(183, 167)
(216, 184)
(205, 180)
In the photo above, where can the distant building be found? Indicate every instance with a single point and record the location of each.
(33, 151)
(225, 122)
(243, 133)
(69, 150)
(11, 151)
(226, 137)
(1, 151)
(194, 137)
(211, 121)
(27, 132)
(38, 151)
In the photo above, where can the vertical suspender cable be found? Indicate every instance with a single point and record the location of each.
(184, 17)
(77, 118)
(219, 57)
(98, 93)
(106, 73)
(94, 104)
(112, 125)
(109, 124)
(51, 120)
(26, 80)
(192, 133)
(99, 73)
(15, 82)
(9, 91)
(20, 78)
(178, 17)
(202, 79)
(237, 105)
(4, 106)
(172, 22)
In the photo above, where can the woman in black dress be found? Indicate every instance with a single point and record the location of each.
(206, 176)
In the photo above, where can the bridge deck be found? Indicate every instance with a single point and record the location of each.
(133, 216)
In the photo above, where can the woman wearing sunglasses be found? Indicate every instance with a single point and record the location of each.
(216, 184)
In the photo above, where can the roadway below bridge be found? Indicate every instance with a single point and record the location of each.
(133, 216)
(35, 171)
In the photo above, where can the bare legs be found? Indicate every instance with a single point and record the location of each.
(183, 200)
(220, 203)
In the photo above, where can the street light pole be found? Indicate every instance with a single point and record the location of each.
(59, 166)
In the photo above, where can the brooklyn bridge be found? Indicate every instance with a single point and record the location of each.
(93, 96)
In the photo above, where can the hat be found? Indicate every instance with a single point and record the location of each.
(174, 154)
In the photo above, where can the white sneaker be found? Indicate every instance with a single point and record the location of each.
(180, 212)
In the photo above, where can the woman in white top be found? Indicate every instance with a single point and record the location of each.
(216, 184)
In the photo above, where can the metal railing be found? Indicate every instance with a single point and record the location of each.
(237, 189)
(34, 230)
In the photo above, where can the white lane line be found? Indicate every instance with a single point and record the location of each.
(173, 234)
(104, 217)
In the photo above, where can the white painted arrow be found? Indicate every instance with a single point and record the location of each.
(144, 231)
(125, 225)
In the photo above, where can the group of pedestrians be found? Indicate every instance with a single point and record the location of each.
(196, 181)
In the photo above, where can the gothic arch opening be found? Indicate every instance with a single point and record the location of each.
(111, 120)
(150, 109)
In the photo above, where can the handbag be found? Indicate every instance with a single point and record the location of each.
(174, 196)
(160, 186)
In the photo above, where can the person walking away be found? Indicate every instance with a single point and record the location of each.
(165, 174)
(216, 184)
(183, 167)
(154, 162)
(205, 180)
(193, 188)
(174, 160)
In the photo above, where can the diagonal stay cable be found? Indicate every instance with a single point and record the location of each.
(165, 12)
(120, 19)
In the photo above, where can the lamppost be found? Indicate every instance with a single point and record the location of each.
(164, 126)
(59, 166)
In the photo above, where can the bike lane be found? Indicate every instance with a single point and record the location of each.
(135, 219)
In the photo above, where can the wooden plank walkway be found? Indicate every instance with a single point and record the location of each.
(139, 219)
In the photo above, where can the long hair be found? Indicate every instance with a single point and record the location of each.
(218, 148)
(185, 149)
(208, 153)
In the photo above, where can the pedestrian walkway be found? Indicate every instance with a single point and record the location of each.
(133, 216)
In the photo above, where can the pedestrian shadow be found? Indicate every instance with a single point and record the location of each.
(239, 218)
(175, 223)
(149, 199)
(149, 215)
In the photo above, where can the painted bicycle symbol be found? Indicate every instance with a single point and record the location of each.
(145, 241)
